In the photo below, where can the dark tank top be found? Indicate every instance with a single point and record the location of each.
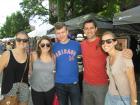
(13, 73)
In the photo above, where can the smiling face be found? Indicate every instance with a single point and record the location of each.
(108, 42)
(22, 40)
(44, 45)
(62, 34)
(90, 30)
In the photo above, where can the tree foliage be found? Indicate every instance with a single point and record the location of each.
(14, 23)
(62, 10)
(32, 8)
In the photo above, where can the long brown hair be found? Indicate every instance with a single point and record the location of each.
(39, 49)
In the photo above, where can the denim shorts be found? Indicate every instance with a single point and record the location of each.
(23, 91)
(116, 100)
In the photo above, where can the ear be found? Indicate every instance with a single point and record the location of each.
(96, 29)
(83, 30)
(115, 42)
(67, 32)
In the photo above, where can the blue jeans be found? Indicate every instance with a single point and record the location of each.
(68, 92)
(116, 100)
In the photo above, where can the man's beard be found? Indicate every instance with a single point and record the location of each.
(91, 37)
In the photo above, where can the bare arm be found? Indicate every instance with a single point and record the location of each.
(30, 65)
(132, 83)
(4, 59)
(127, 53)
(33, 57)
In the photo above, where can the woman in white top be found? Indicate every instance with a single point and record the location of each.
(122, 85)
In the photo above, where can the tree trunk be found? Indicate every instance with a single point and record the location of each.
(61, 10)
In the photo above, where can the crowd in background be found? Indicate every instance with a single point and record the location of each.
(7, 45)
(53, 69)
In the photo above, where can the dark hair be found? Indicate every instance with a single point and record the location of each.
(8, 43)
(22, 32)
(39, 49)
(118, 46)
(59, 25)
(90, 21)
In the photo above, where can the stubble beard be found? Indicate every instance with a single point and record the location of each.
(91, 37)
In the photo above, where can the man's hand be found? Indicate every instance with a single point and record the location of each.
(127, 53)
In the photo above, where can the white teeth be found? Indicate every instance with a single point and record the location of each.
(106, 47)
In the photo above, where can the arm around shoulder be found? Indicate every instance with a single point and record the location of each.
(127, 53)
(33, 57)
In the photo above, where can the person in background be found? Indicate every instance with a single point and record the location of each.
(13, 65)
(42, 75)
(66, 78)
(8, 45)
(2, 47)
(122, 84)
(95, 79)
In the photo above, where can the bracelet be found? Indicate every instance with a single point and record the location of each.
(135, 101)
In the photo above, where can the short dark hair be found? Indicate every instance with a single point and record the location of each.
(59, 25)
(8, 43)
(90, 21)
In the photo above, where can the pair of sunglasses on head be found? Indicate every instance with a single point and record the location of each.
(108, 41)
(22, 40)
(45, 44)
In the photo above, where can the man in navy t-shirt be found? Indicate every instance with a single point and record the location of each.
(66, 79)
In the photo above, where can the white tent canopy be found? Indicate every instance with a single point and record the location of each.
(41, 30)
(129, 16)
(7, 39)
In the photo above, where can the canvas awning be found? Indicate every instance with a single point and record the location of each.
(129, 16)
(77, 23)
(40, 30)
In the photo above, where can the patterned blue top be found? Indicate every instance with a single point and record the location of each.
(66, 61)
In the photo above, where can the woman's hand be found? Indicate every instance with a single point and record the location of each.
(127, 53)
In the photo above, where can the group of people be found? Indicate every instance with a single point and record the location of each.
(108, 75)
(7, 45)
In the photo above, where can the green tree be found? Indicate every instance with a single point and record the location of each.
(72, 8)
(114, 6)
(14, 23)
(66, 9)
(32, 8)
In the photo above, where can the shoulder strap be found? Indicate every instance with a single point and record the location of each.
(25, 67)
(110, 71)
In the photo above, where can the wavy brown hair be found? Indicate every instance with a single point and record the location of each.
(39, 49)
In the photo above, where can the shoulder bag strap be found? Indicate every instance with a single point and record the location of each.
(25, 68)
(110, 71)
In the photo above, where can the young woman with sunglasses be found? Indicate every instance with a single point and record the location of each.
(122, 85)
(42, 76)
(13, 65)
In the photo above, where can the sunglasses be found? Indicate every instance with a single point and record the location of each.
(23, 40)
(108, 41)
(45, 44)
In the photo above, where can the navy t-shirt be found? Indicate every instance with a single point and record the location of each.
(66, 61)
